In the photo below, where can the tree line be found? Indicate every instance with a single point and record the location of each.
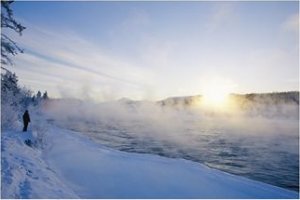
(14, 98)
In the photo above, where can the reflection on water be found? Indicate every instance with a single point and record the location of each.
(268, 157)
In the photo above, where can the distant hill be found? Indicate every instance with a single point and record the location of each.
(270, 98)
(180, 101)
(273, 98)
(269, 105)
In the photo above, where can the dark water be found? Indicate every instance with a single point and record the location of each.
(265, 151)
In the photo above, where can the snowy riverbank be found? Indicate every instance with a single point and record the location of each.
(70, 165)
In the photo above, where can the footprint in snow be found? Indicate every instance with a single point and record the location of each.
(25, 189)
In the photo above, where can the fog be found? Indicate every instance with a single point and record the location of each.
(253, 136)
(172, 117)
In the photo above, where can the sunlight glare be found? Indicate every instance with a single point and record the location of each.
(216, 94)
(215, 97)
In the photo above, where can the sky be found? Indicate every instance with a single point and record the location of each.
(154, 50)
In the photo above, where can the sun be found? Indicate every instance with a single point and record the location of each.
(216, 94)
(215, 97)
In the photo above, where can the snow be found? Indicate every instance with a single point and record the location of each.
(70, 165)
(24, 174)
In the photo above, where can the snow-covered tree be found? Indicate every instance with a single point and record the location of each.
(14, 99)
(38, 94)
(45, 95)
(8, 46)
(9, 83)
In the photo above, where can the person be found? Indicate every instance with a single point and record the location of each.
(26, 120)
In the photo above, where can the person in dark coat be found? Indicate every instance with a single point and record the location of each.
(26, 120)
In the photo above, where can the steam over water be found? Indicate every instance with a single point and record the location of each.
(258, 147)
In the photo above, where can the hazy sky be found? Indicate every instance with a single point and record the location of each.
(152, 50)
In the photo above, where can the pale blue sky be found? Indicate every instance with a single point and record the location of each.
(152, 50)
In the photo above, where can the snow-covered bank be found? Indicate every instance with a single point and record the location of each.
(24, 174)
(93, 171)
(71, 165)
